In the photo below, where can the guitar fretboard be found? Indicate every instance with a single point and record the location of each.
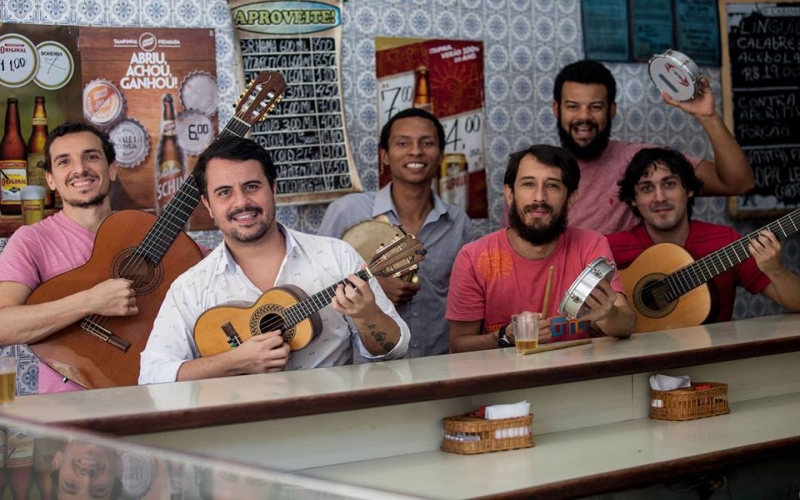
(690, 277)
(305, 308)
(177, 212)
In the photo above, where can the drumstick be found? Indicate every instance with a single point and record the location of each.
(547, 292)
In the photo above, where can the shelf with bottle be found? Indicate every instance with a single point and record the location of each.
(10, 223)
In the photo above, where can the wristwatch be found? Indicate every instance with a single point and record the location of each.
(502, 340)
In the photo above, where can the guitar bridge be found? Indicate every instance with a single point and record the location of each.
(105, 335)
(230, 333)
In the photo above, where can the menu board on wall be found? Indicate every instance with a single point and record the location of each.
(761, 87)
(306, 133)
(605, 30)
(623, 31)
(444, 77)
(652, 28)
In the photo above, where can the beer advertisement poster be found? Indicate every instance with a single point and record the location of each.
(306, 132)
(444, 77)
(154, 91)
(38, 64)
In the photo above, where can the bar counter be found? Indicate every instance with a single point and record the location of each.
(379, 425)
(188, 405)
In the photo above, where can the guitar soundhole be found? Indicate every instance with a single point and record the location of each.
(129, 265)
(268, 318)
(651, 296)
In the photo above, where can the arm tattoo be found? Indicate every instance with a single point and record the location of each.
(380, 338)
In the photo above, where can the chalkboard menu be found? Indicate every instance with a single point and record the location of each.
(305, 133)
(761, 83)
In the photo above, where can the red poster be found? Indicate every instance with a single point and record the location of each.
(446, 78)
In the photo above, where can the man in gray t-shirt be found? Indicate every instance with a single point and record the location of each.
(412, 146)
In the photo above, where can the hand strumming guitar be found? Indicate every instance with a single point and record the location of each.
(112, 297)
(265, 353)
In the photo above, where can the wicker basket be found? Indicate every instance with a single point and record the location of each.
(470, 435)
(689, 403)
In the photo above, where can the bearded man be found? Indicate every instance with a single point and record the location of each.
(584, 94)
(506, 272)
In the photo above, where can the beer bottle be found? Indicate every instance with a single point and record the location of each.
(170, 158)
(13, 162)
(36, 151)
(422, 96)
(20, 462)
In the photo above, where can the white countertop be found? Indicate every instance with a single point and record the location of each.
(627, 450)
(287, 394)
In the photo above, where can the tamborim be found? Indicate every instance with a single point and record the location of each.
(371, 236)
(573, 303)
(676, 74)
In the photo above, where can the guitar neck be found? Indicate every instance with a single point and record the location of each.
(177, 212)
(714, 264)
(305, 308)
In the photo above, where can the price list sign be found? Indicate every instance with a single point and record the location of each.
(762, 82)
(306, 133)
(444, 77)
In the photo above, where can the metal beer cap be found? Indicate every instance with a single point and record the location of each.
(131, 142)
(103, 103)
(199, 92)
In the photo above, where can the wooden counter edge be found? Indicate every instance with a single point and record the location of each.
(190, 418)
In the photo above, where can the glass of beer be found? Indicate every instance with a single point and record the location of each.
(8, 379)
(526, 331)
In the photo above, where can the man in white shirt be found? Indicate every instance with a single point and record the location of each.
(237, 179)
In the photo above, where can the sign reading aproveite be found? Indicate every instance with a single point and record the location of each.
(306, 133)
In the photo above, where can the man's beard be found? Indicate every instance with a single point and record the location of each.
(92, 202)
(594, 149)
(262, 227)
(538, 235)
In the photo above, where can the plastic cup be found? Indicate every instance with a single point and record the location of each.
(526, 331)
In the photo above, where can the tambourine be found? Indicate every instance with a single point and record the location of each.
(573, 304)
(370, 236)
(676, 74)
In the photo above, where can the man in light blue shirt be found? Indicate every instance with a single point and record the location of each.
(412, 146)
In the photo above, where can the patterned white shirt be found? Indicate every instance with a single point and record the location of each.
(311, 263)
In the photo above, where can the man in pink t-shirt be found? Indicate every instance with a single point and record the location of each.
(79, 164)
(584, 94)
(506, 272)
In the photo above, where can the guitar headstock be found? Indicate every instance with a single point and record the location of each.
(403, 254)
(260, 97)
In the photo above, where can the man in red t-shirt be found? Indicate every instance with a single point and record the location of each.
(659, 185)
(506, 272)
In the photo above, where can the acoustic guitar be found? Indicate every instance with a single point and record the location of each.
(667, 288)
(289, 309)
(103, 351)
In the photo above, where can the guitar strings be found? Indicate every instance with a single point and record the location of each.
(704, 269)
(97, 323)
(292, 315)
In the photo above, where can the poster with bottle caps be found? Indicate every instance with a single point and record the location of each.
(153, 90)
(305, 133)
(444, 77)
